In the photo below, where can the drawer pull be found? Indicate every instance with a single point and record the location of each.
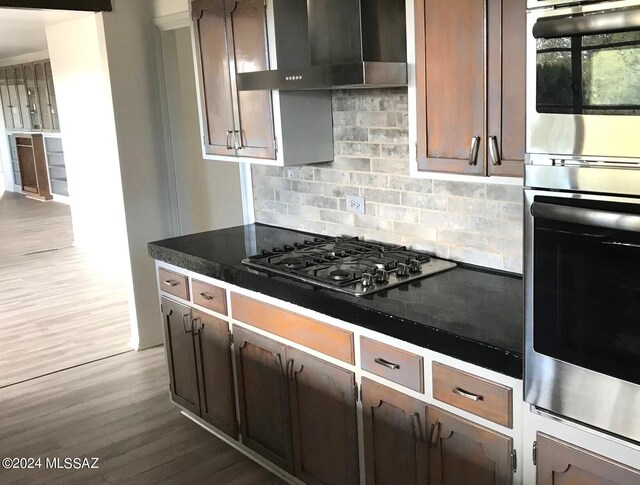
(171, 283)
(386, 363)
(207, 296)
(469, 395)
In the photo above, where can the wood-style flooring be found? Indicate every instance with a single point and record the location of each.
(57, 308)
(116, 410)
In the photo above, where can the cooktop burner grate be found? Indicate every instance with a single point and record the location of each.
(348, 264)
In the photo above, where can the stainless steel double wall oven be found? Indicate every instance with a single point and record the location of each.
(582, 223)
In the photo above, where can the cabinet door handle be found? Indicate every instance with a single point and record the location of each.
(171, 283)
(229, 133)
(386, 363)
(207, 296)
(493, 150)
(278, 358)
(290, 368)
(197, 325)
(237, 136)
(434, 435)
(475, 148)
(188, 327)
(417, 429)
(469, 395)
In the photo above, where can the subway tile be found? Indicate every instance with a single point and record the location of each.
(496, 227)
(304, 211)
(344, 118)
(480, 207)
(473, 256)
(272, 183)
(398, 213)
(513, 211)
(376, 119)
(381, 195)
(464, 239)
(337, 217)
(299, 173)
(417, 231)
(332, 176)
(444, 220)
(307, 187)
(509, 193)
(462, 189)
(351, 133)
(424, 201)
(373, 222)
(409, 184)
(358, 149)
(354, 164)
(512, 263)
(369, 180)
(388, 135)
(395, 151)
(392, 166)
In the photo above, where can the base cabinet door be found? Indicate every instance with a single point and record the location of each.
(561, 463)
(394, 436)
(263, 394)
(215, 376)
(183, 376)
(464, 452)
(324, 423)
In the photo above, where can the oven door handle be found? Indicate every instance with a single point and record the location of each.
(587, 217)
(598, 23)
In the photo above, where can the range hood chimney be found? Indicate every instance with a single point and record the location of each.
(334, 44)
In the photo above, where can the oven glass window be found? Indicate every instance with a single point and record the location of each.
(589, 74)
(587, 292)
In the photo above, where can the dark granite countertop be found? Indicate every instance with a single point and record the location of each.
(469, 313)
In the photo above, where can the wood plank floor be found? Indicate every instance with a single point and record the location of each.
(57, 308)
(118, 411)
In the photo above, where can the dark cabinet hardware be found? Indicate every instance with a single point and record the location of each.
(187, 323)
(417, 428)
(229, 133)
(278, 359)
(207, 296)
(171, 283)
(434, 435)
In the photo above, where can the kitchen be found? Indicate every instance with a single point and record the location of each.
(433, 366)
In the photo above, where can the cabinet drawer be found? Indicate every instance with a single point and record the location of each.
(397, 365)
(173, 283)
(474, 394)
(209, 296)
(316, 335)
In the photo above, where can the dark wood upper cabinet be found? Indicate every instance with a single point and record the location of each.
(263, 394)
(560, 463)
(464, 452)
(231, 37)
(215, 375)
(323, 412)
(395, 444)
(470, 86)
(181, 359)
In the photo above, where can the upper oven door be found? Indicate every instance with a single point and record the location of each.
(582, 281)
(583, 80)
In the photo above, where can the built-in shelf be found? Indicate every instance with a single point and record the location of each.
(57, 166)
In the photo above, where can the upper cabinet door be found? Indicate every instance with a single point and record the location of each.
(470, 82)
(31, 100)
(249, 51)
(216, 91)
(14, 98)
(23, 97)
(5, 96)
(53, 103)
(506, 98)
(450, 85)
(43, 96)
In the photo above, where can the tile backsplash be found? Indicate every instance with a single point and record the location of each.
(475, 222)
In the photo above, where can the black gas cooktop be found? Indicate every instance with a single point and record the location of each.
(348, 264)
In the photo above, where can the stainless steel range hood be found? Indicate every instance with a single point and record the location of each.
(331, 44)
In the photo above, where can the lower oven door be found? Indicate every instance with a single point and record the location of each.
(582, 311)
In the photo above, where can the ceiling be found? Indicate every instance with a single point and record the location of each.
(22, 30)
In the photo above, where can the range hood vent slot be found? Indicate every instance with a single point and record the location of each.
(334, 44)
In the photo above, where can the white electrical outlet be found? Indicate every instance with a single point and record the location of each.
(355, 204)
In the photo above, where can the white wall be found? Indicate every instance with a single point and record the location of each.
(169, 7)
(105, 72)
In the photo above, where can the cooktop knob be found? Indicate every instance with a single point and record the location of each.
(368, 279)
(382, 276)
(415, 266)
(403, 269)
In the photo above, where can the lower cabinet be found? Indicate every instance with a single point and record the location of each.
(199, 360)
(560, 463)
(463, 452)
(395, 445)
(296, 410)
